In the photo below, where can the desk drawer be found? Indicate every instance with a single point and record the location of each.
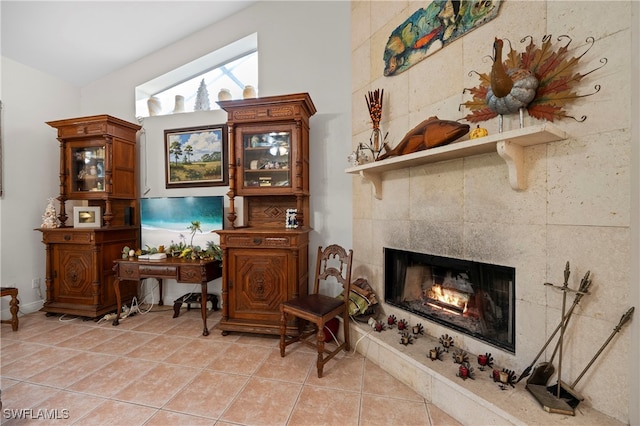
(258, 241)
(158, 271)
(85, 237)
(128, 272)
(190, 274)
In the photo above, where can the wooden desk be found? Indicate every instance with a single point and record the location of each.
(182, 270)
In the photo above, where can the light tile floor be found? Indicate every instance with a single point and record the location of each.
(157, 370)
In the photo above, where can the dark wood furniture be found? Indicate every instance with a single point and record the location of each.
(13, 306)
(333, 266)
(182, 270)
(98, 163)
(265, 263)
(78, 271)
(98, 166)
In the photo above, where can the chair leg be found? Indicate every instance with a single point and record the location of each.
(345, 321)
(14, 312)
(320, 343)
(283, 330)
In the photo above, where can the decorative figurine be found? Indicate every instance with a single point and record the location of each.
(49, 218)
(540, 80)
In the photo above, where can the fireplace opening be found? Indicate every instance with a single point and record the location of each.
(474, 298)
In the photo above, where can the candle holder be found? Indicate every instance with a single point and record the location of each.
(402, 324)
(406, 338)
(460, 357)
(465, 371)
(446, 341)
(435, 353)
(378, 326)
(417, 329)
(391, 320)
(504, 377)
(484, 361)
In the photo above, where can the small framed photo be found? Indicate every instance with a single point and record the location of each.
(196, 156)
(87, 217)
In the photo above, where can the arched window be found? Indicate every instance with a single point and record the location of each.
(232, 67)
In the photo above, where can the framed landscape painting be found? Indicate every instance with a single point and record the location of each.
(196, 156)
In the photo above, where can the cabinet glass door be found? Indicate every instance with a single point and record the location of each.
(87, 169)
(267, 159)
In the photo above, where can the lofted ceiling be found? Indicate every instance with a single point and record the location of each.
(83, 41)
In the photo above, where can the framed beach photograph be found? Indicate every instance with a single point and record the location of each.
(196, 156)
(87, 217)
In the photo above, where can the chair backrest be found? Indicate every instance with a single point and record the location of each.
(333, 261)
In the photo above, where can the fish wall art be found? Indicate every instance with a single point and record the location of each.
(429, 30)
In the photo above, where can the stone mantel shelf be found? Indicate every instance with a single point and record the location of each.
(509, 145)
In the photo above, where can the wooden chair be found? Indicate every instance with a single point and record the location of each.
(333, 265)
(13, 305)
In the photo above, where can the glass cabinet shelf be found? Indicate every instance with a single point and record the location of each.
(87, 169)
(267, 159)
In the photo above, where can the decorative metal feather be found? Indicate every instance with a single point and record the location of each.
(545, 70)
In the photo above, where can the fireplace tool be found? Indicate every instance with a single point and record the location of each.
(569, 393)
(553, 403)
(581, 292)
(543, 371)
(569, 397)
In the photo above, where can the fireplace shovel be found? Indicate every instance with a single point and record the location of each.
(543, 371)
(568, 393)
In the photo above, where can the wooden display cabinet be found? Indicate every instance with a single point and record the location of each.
(98, 165)
(265, 263)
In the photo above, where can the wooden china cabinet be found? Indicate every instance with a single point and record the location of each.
(98, 163)
(264, 261)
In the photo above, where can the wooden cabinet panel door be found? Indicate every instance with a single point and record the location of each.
(73, 275)
(259, 283)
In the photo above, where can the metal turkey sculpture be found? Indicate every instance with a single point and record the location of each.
(539, 80)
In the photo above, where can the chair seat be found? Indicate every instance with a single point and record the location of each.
(318, 304)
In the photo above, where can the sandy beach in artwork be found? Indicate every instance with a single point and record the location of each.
(155, 237)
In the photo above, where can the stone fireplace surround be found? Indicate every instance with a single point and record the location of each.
(575, 206)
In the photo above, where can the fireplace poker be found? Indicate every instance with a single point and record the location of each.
(544, 370)
(573, 397)
(565, 286)
(576, 300)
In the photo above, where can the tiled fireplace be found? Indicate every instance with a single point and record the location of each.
(474, 298)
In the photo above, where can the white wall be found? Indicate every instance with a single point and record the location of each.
(30, 172)
(303, 47)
